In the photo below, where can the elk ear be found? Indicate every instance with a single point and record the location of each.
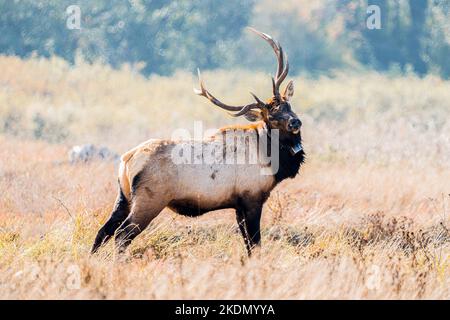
(289, 91)
(254, 115)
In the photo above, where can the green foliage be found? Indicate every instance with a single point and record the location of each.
(414, 35)
(163, 36)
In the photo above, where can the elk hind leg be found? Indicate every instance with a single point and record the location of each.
(142, 213)
(118, 215)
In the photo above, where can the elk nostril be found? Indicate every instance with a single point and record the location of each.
(294, 124)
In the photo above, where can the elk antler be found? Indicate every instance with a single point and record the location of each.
(240, 110)
(282, 70)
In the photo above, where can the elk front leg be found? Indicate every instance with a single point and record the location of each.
(240, 217)
(249, 219)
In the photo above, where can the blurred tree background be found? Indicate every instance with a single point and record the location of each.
(164, 36)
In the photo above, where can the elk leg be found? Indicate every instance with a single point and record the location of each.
(253, 218)
(240, 217)
(118, 215)
(249, 218)
(139, 218)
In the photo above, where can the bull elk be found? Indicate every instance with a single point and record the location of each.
(150, 179)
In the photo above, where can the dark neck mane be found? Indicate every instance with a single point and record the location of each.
(289, 164)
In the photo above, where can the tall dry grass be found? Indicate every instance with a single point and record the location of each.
(368, 217)
(366, 115)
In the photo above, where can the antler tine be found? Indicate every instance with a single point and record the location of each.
(280, 59)
(258, 105)
(245, 109)
(240, 110)
(205, 93)
(276, 48)
(274, 87)
(266, 37)
(282, 76)
(282, 70)
(261, 103)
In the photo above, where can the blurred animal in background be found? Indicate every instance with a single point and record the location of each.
(88, 152)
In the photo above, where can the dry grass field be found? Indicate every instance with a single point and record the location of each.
(367, 217)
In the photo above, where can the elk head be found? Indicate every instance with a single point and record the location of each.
(277, 111)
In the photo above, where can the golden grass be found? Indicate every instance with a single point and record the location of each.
(329, 233)
(368, 216)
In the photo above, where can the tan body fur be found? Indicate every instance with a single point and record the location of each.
(203, 186)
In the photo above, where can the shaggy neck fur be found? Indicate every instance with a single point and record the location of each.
(289, 164)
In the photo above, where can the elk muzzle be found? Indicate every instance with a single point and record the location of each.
(294, 125)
